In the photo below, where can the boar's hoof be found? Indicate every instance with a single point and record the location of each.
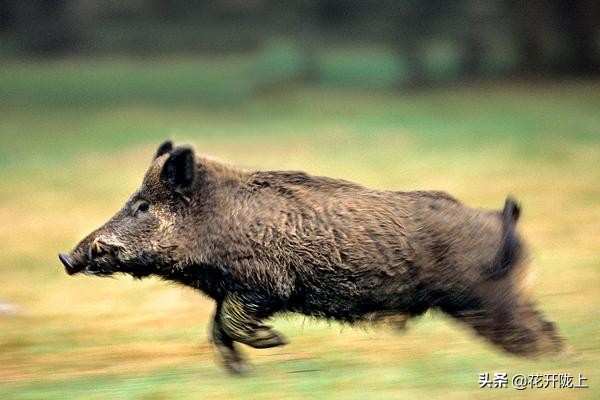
(237, 367)
(232, 360)
(265, 337)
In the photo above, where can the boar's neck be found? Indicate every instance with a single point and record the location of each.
(212, 279)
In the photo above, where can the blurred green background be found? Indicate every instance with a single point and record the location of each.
(333, 88)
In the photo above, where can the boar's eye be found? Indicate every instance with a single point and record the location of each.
(142, 207)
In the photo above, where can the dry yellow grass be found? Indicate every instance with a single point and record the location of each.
(117, 331)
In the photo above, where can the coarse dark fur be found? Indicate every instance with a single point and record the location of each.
(260, 243)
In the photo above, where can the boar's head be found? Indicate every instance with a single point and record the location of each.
(143, 237)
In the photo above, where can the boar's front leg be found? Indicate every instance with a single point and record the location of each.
(238, 319)
(232, 359)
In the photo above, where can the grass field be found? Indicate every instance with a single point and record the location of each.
(75, 139)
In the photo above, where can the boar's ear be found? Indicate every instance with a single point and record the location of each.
(164, 148)
(179, 169)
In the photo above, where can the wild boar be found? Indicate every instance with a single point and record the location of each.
(268, 242)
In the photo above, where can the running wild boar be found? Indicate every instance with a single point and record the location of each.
(262, 243)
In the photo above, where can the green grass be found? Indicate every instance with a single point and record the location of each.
(77, 135)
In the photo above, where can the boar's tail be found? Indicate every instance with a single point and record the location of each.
(510, 248)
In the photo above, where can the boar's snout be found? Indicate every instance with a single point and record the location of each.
(78, 259)
(89, 253)
(70, 265)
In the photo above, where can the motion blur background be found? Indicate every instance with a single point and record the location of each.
(477, 98)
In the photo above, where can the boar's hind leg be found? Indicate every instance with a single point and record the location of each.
(240, 319)
(512, 324)
(523, 333)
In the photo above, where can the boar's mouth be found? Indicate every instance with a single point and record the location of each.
(107, 266)
(74, 266)
(95, 258)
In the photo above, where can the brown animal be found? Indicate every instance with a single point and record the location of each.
(261, 243)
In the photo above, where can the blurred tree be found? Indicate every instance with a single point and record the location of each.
(542, 36)
(410, 24)
(477, 15)
(530, 19)
(50, 27)
(579, 22)
(8, 17)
